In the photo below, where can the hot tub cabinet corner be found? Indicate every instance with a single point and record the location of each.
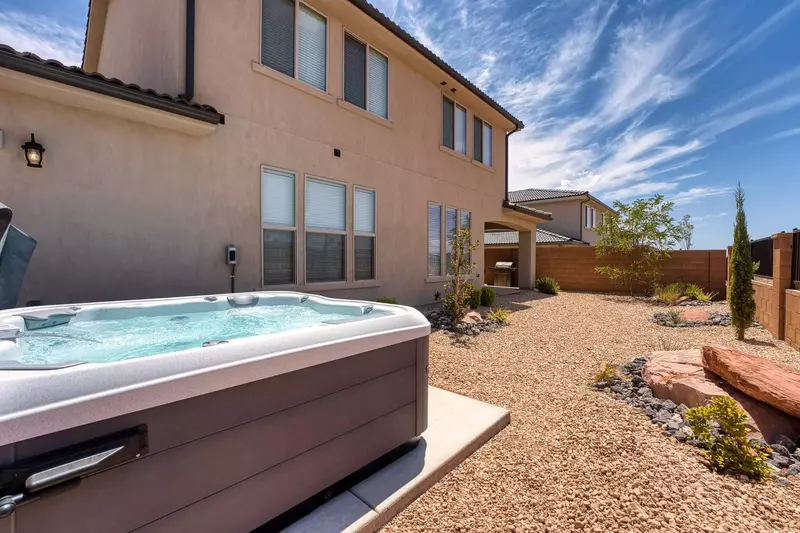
(230, 461)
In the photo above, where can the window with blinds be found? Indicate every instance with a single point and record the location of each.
(448, 134)
(278, 28)
(366, 77)
(365, 233)
(434, 240)
(466, 223)
(326, 231)
(278, 225)
(482, 142)
(450, 225)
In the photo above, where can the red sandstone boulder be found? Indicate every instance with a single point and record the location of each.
(773, 383)
(695, 315)
(472, 317)
(680, 376)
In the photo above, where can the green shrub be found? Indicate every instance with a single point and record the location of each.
(488, 296)
(673, 292)
(731, 452)
(501, 316)
(668, 295)
(694, 292)
(675, 316)
(608, 373)
(547, 286)
(474, 299)
(387, 300)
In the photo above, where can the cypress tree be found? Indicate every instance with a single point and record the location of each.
(742, 303)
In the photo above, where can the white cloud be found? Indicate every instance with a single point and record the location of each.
(719, 125)
(43, 36)
(684, 177)
(794, 132)
(698, 193)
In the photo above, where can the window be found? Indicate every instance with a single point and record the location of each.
(279, 46)
(454, 126)
(443, 222)
(466, 223)
(366, 77)
(326, 231)
(364, 239)
(590, 218)
(434, 240)
(482, 141)
(278, 227)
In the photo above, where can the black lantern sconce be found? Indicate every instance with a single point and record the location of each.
(33, 152)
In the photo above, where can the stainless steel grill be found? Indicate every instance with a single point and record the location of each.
(503, 270)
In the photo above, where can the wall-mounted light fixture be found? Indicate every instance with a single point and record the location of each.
(33, 152)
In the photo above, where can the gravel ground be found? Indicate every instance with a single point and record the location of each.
(577, 460)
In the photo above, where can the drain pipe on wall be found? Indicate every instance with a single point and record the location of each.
(509, 134)
(190, 34)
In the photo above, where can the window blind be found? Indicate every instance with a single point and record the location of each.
(434, 240)
(277, 35)
(364, 257)
(477, 139)
(461, 130)
(325, 205)
(324, 257)
(279, 256)
(466, 219)
(378, 84)
(364, 210)
(312, 35)
(487, 144)
(451, 219)
(277, 198)
(355, 75)
(447, 123)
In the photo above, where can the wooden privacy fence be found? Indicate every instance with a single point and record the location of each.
(573, 267)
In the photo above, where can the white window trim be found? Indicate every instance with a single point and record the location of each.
(483, 156)
(278, 228)
(355, 36)
(296, 46)
(346, 233)
(374, 235)
(443, 275)
(467, 137)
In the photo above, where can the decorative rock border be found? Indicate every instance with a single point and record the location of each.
(715, 319)
(685, 303)
(631, 388)
(441, 320)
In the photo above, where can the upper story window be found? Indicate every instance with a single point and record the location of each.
(482, 137)
(294, 41)
(454, 126)
(590, 218)
(366, 77)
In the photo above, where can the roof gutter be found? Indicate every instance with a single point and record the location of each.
(190, 36)
(509, 134)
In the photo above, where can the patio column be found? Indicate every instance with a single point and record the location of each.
(781, 279)
(526, 265)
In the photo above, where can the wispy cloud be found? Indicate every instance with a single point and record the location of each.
(43, 36)
(794, 132)
(728, 122)
(684, 177)
(699, 193)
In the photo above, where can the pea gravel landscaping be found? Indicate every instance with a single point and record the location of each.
(576, 460)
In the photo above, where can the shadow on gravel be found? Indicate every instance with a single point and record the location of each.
(756, 342)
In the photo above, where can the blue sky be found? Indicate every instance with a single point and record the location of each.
(623, 98)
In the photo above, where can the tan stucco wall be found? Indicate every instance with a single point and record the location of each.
(124, 210)
(566, 217)
(144, 43)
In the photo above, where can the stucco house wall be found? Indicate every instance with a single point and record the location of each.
(566, 217)
(128, 210)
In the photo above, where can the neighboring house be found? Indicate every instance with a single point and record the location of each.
(576, 214)
(334, 150)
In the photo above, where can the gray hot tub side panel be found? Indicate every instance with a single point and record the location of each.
(261, 447)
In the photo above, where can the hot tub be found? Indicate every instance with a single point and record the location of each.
(213, 413)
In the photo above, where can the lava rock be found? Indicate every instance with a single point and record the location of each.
(787, 443)
(684, 433)
(780, 461)
(780, 449)
(669, 405)
(645, 392)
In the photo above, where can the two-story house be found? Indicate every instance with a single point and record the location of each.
(336, 152)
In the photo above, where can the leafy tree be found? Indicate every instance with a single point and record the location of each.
(743, 305)
(458, 290)
(642, 233)
(686, 240)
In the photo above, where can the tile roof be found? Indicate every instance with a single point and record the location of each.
(530, 211)
(530, 195)
(53, 70)
(495, 238)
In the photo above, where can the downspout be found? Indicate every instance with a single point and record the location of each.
(190, 34)
(509, 134)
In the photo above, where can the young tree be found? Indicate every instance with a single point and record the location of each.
(641, 233)
(743, 305)
(686, 240)
(458, 290)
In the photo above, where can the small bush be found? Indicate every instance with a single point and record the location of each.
(547, 286)
(675, 316)
(608, 373)
(501, 316)
(437, 296)
(387, 300)
(474, 299)
(668, 295)
(694, 292)
(488, 296)
(731, 452)
(673, 292)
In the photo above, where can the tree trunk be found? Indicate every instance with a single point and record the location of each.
(740, 332)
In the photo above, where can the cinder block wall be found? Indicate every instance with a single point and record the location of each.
(764, 305)
(793, 316)
(574, 268)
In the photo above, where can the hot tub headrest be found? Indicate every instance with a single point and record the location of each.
(47, 319)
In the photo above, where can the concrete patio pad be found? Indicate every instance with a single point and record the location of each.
(457, 426)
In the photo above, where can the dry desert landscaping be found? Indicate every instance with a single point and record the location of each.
(574, 459)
